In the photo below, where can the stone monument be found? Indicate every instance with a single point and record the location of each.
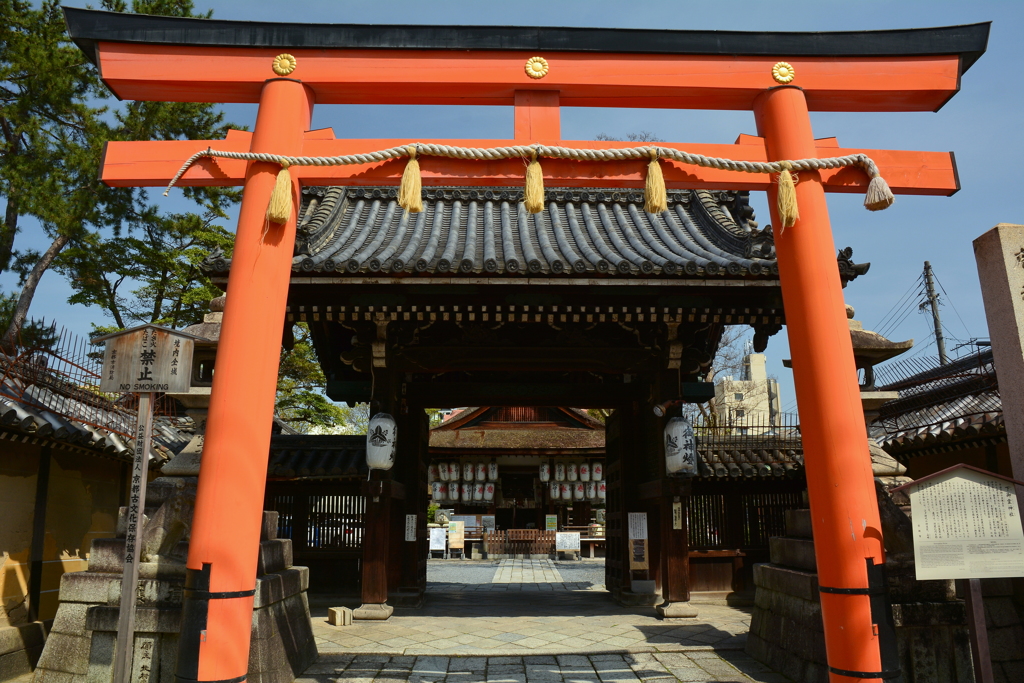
(81, 642)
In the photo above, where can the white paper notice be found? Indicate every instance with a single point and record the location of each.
(410, 527)
(566, 541)
(638, 526)
(966, 526)
(438, 539)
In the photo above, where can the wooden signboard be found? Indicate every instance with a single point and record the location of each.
(456, 535)
(638, 559)
(551, 522)
(149, 358)
(677, 515)
(410, 527)
(567, 541)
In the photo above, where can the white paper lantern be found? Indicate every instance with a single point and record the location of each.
(492, 470)
(381, 435)
(454, 471)
(602, 490)
(453, 491)
(554, 491)
(680, 448)
(597, 471)
(571, 472)
(591, 490)
(467, 493)
(584, 471)
(578, 490)
(442, 471)
(566, 490)
(478, 491)
(559, 471)
(481, 472)
(467, 472)
(489, 491)
(438, 491)
(545, 471)
(432, 473)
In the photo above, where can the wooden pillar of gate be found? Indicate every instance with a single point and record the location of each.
(844, 511)
(675, 544)
(225, 536)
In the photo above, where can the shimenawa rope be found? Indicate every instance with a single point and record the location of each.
(878, 195)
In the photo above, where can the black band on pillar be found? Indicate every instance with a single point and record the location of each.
(865, 674)
(194, 611)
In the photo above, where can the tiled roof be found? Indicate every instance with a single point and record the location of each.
(293, 456)
(745, 460)
(479, 230)
(941, 407)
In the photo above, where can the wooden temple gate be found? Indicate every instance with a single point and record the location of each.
(529, 317)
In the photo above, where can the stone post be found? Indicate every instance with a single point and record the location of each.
(1000, 256)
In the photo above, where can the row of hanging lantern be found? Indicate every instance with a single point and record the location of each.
(572, 471)
(467, 471)
(567, 491)
(466, 493)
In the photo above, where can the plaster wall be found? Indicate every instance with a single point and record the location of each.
(82, 502)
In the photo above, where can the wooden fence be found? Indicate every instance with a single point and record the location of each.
(520, 542)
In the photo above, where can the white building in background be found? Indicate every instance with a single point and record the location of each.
(749, 404)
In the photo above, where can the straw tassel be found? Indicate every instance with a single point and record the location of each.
(879, 196)
(410, 192)
(280, 208)
(789, 212)
(655, 196)
(534, 195)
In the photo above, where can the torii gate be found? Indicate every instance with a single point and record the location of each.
(170, 59)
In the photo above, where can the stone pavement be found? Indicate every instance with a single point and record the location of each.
(527, 571)
(698, 665)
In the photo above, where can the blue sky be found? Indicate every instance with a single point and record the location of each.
(981, 125)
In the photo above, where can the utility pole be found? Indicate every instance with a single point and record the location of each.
(933, 299)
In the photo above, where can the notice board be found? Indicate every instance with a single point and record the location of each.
(456, 535)
(438, 539)
(566, 541)
(966, 526)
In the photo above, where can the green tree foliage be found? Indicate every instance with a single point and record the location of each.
(55, 117)
(301, 401)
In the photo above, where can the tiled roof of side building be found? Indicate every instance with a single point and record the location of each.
(487, 231)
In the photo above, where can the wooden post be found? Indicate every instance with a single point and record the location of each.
(675, 585)
(217, 611)
(130, 577)
(971, 589)
(375, 551)
(844, 512)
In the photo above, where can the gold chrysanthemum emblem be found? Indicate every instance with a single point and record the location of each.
(783, 72)
(536, 67)
(284, 64)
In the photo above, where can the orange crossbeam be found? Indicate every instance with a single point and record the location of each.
(135, 164)
(184, 73)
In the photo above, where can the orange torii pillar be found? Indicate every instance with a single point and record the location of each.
(918, 70)
(229, 501)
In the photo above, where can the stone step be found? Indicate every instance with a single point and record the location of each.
(797, 553)
(798, 523)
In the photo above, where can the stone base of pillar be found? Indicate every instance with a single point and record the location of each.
(373, 612)
(677, 610)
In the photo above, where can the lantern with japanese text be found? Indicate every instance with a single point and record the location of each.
(381, 436)
(467, 493)
(432, 474)
(554, 491)
(442, 471)
(545, 471)
(591, 490)
(602, 490)
(481, 472)
(454, 471)
(492, 470)
(565, 490)
(467, 472)
(489, 491)
(571, 472)
(453, 491)
(584, 471)
(680, 448)
(438, 490)
(559, 471)
(478, 491)
(578, 490)
(597, 471)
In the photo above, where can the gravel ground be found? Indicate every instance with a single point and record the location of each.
(482, 571)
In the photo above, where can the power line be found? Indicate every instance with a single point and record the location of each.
(895, 324)
(953, 306)
(899, 304)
